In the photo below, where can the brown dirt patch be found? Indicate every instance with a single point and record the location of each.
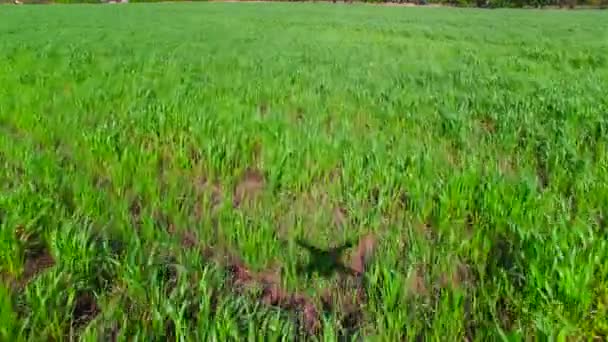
(273, 294)
(164, 222)
(216, 196)
(416, 283)
(362, 255)
(37, 256)
(249, 187)
(207, 190)
(345, 300)
(189, 239)
(85, 309)
(36, 264)
(340, 216)
(458, 278)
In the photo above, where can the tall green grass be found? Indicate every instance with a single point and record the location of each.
(472, 144)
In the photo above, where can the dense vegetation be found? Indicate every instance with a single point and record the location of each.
(235, 171)
(602, 4)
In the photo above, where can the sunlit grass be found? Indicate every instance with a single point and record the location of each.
(144, 147)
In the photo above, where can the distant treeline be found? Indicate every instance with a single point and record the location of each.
(510, 3)
(459, 3)
(497, 3)
(515, 3)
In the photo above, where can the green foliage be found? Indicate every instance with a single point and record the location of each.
(471, 143)
(601, 4)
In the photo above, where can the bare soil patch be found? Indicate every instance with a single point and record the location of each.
(363, 254)
(249, 187)
(36, 264)
(85, 309)
(345, 299)
(37, 256)
(417, 283)
(340, 216)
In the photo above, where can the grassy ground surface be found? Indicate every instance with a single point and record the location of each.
(265, 171)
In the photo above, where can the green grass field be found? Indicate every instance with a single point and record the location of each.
(271, 171)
